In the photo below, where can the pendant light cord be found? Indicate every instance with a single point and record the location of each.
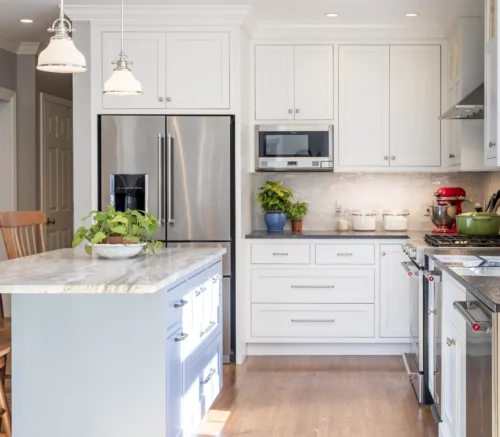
(61, 10)
(122, 26)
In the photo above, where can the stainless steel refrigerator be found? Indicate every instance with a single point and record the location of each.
(178, 168)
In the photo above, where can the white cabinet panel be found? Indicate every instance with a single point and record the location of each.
(491, 103)
(280, 253)
(313, 82)
(174, 383)
(274, 83)
(415, 87)
(364, 106)
(394, 293)
(345, 254)
(197, 70)
(147, 52)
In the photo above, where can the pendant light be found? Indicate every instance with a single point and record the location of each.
(61, 55)
(122, 82)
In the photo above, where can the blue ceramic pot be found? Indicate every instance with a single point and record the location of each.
(275, 221)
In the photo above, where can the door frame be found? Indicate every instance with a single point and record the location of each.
(10, 97)
(59, 101)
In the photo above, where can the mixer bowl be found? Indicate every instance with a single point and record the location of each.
(443, 216)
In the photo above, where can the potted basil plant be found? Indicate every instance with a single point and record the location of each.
(274, 200)
(296, 213)
(117, 234)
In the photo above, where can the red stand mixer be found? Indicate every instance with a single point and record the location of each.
(447, 205)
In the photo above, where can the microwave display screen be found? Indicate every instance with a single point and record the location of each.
(293, 144)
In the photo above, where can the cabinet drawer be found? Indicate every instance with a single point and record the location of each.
(317, 286)
(345, 254)
(281, 254)
(313, 321)
(179, 304)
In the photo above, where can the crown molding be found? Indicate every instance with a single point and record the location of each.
(7, 44)
(453, 10)
(28, 48)
(166, 15)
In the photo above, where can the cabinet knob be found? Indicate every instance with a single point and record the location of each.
(383, 254)
(160, 99)
(290, 111)
(169, 99)
(297, 111)
(450, 341)
(492, 144)
(393, 158)
(452, 156)
(386, 158)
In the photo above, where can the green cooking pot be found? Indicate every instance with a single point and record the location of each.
(478, 224)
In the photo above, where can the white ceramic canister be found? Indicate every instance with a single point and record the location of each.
(364, 220)
(396, 220)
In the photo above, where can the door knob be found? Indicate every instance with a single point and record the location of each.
(51, 221)
(383, 253)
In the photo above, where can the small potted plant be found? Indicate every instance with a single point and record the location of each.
(274, 200)
(116, 234)
(296, 213)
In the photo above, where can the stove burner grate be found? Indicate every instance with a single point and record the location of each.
(455, 240)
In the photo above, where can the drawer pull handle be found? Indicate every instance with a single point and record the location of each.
(450, 341)
(345, 254)
(200, 291)
(182, 337)
(216, 278)
(280, 254)
(313, 286)
(206, 331)
(181, 304)
(313, 320)
(209, 377)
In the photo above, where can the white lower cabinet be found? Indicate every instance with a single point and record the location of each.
(174, 382)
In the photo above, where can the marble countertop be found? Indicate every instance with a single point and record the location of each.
(259, 234)
(484, 288)
(73, 271)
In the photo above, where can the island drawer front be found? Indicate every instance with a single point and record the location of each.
(179, 304)
(281, 253)
(345, 254)
(203, 382)
(313, 321)
(316, 286)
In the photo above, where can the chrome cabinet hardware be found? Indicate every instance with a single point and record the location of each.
(297, 111)
(492, 144)
(170, 185)
(290, 111)
(450, 341)
(452, 156)
(200, 291)
(383, 254)
(393, 158)
(209, 327)
(216, 278)
(182, 337)
(386, 158)
(181, 303)
(345, 254)
(209, 377)
(432, 312)
(313, 320)
(169, 99)
(476, 325)
(313, 286)
(160, 99)
(51, 221)
(280, 253)
(161, 178)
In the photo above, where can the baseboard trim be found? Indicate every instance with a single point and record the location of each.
(266, 349)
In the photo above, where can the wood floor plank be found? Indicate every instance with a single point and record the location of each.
(317, 397)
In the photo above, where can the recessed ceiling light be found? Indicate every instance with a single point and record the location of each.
(26, 20)
(331, 15)
(411, 14)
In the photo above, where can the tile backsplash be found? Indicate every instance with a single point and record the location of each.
(380, 192)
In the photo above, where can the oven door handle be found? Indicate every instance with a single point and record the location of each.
(406, 265)
(476, 325)
(432, 275)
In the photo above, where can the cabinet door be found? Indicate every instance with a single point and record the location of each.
(394, 293)
(274, 83)
(147, 53)
(491, 102)
(174, 383)
(449, 378)
(415, 128)
(197, 70)
(313, 82)
(364, 101)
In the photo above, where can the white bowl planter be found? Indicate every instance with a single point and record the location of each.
(117, 251)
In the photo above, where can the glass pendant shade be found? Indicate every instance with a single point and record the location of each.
(61, 56)
(122, 83)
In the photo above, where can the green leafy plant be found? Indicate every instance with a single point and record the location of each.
(297, 210)
(132, 226)
(273, 197)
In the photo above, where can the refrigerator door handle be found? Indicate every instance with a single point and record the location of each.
(161, 178)
(170, 185)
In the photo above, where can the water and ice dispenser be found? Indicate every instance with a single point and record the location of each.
(129, 191)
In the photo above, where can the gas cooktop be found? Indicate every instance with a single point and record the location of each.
(455, 240)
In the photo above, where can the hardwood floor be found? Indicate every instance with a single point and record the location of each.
(317, 397)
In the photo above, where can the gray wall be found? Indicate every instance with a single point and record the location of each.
(59, 85)
(8, 69)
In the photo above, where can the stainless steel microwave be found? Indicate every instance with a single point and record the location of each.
(294, 148)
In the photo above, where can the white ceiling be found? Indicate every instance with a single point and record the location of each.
(352, 12)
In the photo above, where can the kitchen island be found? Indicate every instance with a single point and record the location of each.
(109, 348)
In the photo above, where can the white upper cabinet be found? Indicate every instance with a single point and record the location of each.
(491, 118)
(179, 70)
(313, 82)
(146, 51)
(415, 128)
(294, 82)
(364, 106)
(197, 71)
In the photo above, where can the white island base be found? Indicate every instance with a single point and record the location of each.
(117, 364)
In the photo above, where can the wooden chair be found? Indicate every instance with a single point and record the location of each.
(5, 344)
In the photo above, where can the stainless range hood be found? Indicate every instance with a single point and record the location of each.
(470, 108)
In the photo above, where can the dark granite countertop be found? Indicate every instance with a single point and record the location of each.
(484, 288)
(328, 234)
